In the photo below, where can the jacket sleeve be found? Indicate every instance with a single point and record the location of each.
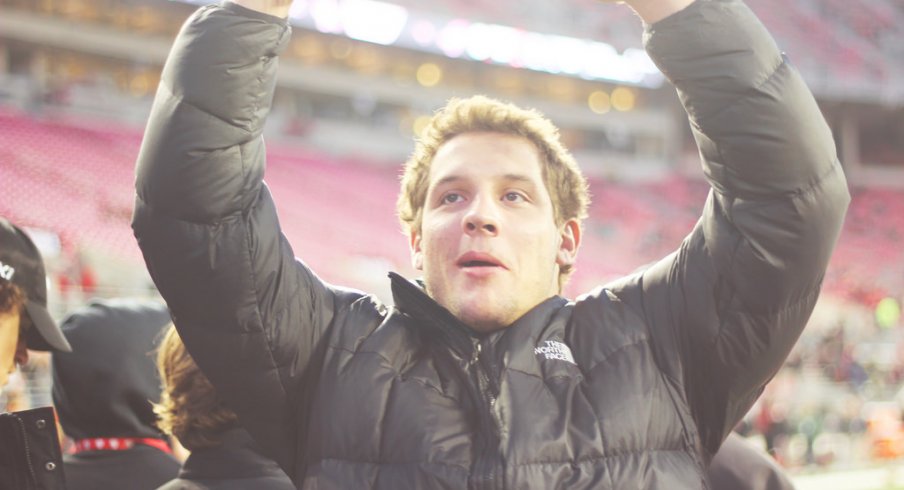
(731, 302)
(250, 314)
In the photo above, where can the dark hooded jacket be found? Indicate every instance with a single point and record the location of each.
(105, 388)
(633, 385)
(234, 463)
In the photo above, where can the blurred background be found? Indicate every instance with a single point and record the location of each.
(361, 77)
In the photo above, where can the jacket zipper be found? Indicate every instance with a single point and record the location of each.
(487, 468)
(487, 471)
(31, 469)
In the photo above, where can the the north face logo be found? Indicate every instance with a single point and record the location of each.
(553, 349)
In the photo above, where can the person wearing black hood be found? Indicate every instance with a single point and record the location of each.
(223, 455)
(30, 452)
(104, 392)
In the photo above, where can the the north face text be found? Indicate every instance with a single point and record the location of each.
(556, 350)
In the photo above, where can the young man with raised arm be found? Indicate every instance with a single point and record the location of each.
(482, 375)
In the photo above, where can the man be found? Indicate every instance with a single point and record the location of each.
(30, 452)
(104, 392)
(223, 455)
(483, 377)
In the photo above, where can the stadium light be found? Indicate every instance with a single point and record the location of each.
(453, 38)
(327, 16)
(498, 43)
(423, 32)
(390, 24)
(429, 74)
(371, 21)
(623, 99)
(599, 102)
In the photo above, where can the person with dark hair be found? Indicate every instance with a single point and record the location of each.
(223, 455)
(30, 449)
(482, 375)
(104, 391)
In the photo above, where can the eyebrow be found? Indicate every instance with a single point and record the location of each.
(506, 177)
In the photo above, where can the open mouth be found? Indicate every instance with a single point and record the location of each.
(478, 263)
(477, 260)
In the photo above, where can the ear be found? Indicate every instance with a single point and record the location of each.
(570, 240)
(417, 255)
(21, 355)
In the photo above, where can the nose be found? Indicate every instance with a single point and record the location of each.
(21, 352)
(481, 218)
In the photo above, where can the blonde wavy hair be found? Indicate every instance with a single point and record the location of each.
(566, 185)
(189, 407)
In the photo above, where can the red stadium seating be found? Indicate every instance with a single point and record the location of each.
(75, 178)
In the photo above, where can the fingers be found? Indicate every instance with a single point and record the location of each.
(276, 8)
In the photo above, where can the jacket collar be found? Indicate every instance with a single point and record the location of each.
(235, 456)
(411, 299)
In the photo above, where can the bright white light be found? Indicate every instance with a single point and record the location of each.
(384, 23)
(505, 43)
(423, 32)
(603, 61)
(298, 10)
(479, 41)
(372, 21)
(327, 16)
(500, 44)
(569, 53)
(639, 60)
(537, 54)
(454, 38)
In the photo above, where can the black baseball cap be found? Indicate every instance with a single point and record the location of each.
(22, 265)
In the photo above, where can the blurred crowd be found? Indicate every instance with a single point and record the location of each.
(838, 402)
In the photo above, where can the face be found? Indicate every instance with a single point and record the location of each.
(12, 345)
(489, 246)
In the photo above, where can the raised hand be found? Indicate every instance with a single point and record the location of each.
(276, 8)
(652, 11)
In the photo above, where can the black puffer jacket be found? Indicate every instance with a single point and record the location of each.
(631, 386)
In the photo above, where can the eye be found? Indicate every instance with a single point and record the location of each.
(514, 197)
(451, 198)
